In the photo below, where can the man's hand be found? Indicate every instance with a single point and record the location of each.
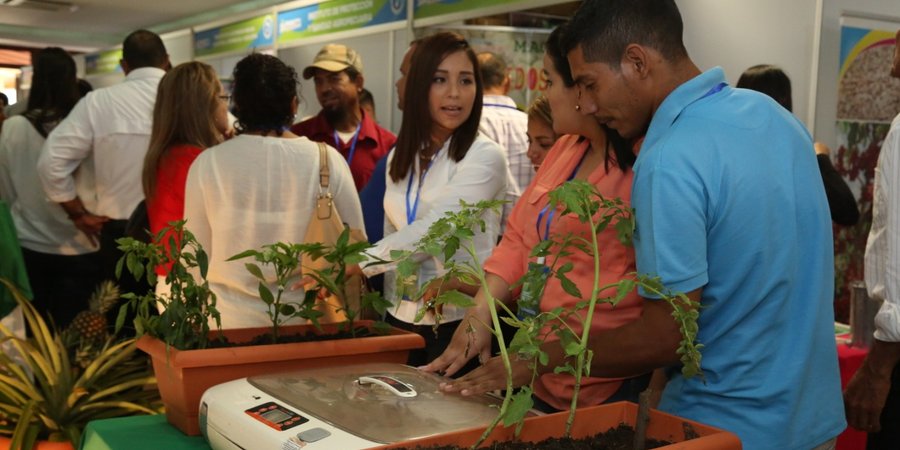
(864, 399)
(88, 223)
(491, 376)
(867, 391)
(91, 225)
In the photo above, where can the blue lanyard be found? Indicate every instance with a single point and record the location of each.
(714, 89)
(498, 105)
(546, 211)
(337, 142)
(412, 209)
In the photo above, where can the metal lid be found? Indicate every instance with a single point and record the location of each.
(379, 402)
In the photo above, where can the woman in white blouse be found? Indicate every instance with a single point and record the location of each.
(439, 160)
(259, 187)
(62, 262)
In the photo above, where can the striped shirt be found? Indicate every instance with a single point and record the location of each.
(504, 124)
(882, 252)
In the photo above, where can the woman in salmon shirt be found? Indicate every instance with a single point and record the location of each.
(190, 115)
(589, 152)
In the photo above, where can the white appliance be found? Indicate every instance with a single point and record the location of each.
(348, 407)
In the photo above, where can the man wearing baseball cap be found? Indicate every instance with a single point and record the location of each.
(342, 123)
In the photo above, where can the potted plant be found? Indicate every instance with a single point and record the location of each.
(53, 383)
(582, 200)
(188, 357)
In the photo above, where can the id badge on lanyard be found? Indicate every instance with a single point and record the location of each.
(535, 279)
(407, 287)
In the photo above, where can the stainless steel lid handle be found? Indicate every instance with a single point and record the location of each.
(392, 384)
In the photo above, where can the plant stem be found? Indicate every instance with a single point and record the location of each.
(586, 329)
(504, 354)
(643, 417)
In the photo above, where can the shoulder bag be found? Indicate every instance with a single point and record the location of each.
(326, 226)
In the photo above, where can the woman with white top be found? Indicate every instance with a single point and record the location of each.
(439, 160)
(259, 188)
(61, 261)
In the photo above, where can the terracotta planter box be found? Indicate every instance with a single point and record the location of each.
(40, 445)
(183, 376)
(590, 421)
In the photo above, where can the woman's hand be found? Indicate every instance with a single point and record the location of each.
(491, 376)
(472, 337)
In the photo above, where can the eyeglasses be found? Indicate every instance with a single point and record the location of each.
(227, 98)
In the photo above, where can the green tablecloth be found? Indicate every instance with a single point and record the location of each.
(138, 433)
(11, 265)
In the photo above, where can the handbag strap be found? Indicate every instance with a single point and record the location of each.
(324, 173)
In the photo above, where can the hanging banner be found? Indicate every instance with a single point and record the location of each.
(103, 62)
(244, 35)
(868, 98)
(337, 15)
(431, 8)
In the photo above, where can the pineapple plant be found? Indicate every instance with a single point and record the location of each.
(44, 395)
(91, 325)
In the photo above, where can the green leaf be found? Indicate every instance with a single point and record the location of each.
(568, 285)
(202, 262)
(265, 294)
(570, 343)
(454, 298)
(519, 406)
(242, 255)
(255, 271)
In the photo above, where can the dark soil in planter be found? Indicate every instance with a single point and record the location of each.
(311, 336)
(620, 438)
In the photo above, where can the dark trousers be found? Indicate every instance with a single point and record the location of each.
(889, 436)
(435, 343)
(109, 257)
(62, 284)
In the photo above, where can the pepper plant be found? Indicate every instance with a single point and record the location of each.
(331, 277)
(189, 307)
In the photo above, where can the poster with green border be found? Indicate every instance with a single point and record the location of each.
(256, 32)
(431, 8)
(103, 62)
(337, 15)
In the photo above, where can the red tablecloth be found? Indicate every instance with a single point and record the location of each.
(850, 359)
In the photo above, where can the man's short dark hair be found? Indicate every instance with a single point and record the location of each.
(493, 69)
(604, 28)
(144, 48)
(4, 100)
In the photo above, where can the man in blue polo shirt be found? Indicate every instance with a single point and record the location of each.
(730, 209)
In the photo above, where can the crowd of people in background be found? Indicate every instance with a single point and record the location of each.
(732, 203)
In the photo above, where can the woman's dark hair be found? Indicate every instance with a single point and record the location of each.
(415, 130)
(554, 49)
(262, 93)
(769, 80)
(621, 147)
(54, 87)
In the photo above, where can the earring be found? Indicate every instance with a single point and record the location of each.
(577, 107)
